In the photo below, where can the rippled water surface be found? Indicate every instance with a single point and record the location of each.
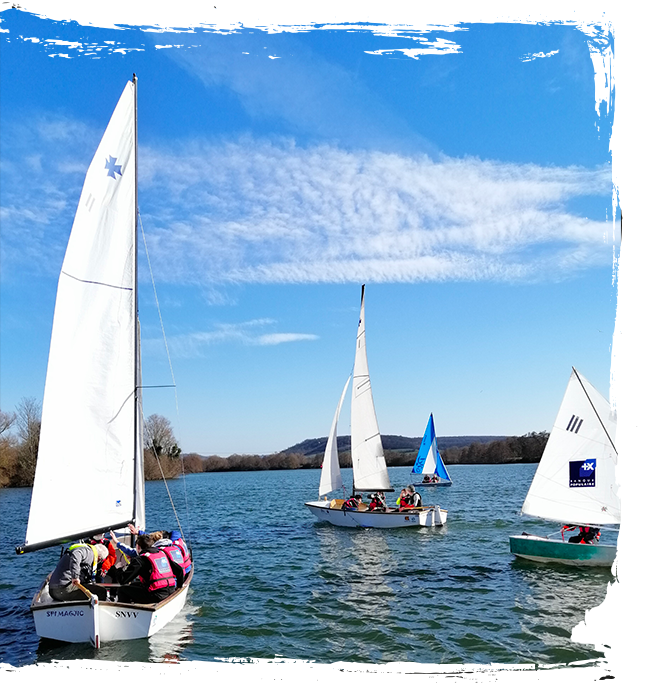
(272, 581)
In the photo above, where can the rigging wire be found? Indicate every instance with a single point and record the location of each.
(171, 370)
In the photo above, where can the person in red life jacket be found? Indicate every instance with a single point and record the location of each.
(377, 502)
(149, 577)
(586, 535)
(353, 502)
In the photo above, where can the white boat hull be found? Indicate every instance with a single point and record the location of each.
(536, 548)
(83, 621)
(428, 516)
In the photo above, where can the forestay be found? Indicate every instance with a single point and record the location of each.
(368, 463)
(330, 477)
(90, 433)
(575, 480)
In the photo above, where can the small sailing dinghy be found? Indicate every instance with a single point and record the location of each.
(368, 463)
(90, 470)
(429, 463)
(575, 480)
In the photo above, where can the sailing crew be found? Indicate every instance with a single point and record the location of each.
(586, 535)
(78, 565)
(149, 577)
(353, 502)
(415, 498)
(377, 502)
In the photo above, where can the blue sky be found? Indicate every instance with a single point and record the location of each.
(462, 173)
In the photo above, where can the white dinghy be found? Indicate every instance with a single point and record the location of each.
(368, 463)
(575, 480)
(90, 470)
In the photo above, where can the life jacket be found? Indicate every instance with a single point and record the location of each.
(351, 503)
(161, 571)
(93, 570)
(186, 559)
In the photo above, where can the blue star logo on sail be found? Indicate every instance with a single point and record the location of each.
(582, 474)
(112, 167)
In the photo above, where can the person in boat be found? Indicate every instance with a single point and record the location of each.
(436, 478)
(78, 565)
(410, 500)
(403, 497)
(586, 534)
(426, 479)
(149, 578)
(377, 502)
(353, 502)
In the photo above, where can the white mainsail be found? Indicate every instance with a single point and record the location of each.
(575, 481)
(330, 477)
(86, 468)
(368, 463)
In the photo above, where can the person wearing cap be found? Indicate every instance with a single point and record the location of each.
(78, 565)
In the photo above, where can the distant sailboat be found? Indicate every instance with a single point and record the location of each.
(575, 480)
(90, 469)
(368, 463)
(429, 463)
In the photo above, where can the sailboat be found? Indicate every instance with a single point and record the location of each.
(429, 463)
(575, 482)
(368, 463)
(90, 469)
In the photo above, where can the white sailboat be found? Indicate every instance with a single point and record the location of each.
(90, 475)
(429, 463)
(575, 480)
(368, 462)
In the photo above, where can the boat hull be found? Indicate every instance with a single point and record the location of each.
(85, 621)
(432, 485)
(428, 517)
(540, 549)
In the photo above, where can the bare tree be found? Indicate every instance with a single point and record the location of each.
(7, 420)
(28, 421)
(159, 437)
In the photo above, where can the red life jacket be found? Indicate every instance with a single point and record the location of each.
(161, 571)
(186, 561)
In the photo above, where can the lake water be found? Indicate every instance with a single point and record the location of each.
(271, 581)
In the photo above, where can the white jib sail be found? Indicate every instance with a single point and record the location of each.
(330, 477)
(85, 469)
(575, 481)
(368, 463)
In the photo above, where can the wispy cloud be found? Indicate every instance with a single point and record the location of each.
(194, 343)
(255, 210)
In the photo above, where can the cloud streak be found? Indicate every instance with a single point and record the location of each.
(270, 211)
(193, 344)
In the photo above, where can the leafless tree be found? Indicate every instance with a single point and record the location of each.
(159, 437)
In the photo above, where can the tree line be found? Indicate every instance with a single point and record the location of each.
(20, 434)
(524, 449)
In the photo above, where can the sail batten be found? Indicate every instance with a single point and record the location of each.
(85, 475)
(575, 481)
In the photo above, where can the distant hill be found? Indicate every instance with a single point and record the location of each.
(316, 446)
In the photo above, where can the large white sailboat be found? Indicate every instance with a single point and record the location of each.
(575, 481)
(368, 462)
(90, 475)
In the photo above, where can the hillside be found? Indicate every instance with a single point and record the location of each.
(316, 446)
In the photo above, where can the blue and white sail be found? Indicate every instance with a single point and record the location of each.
(429, 462)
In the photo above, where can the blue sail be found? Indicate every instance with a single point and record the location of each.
(427, 440)
(429, 461)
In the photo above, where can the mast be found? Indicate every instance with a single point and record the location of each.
(136, 345)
